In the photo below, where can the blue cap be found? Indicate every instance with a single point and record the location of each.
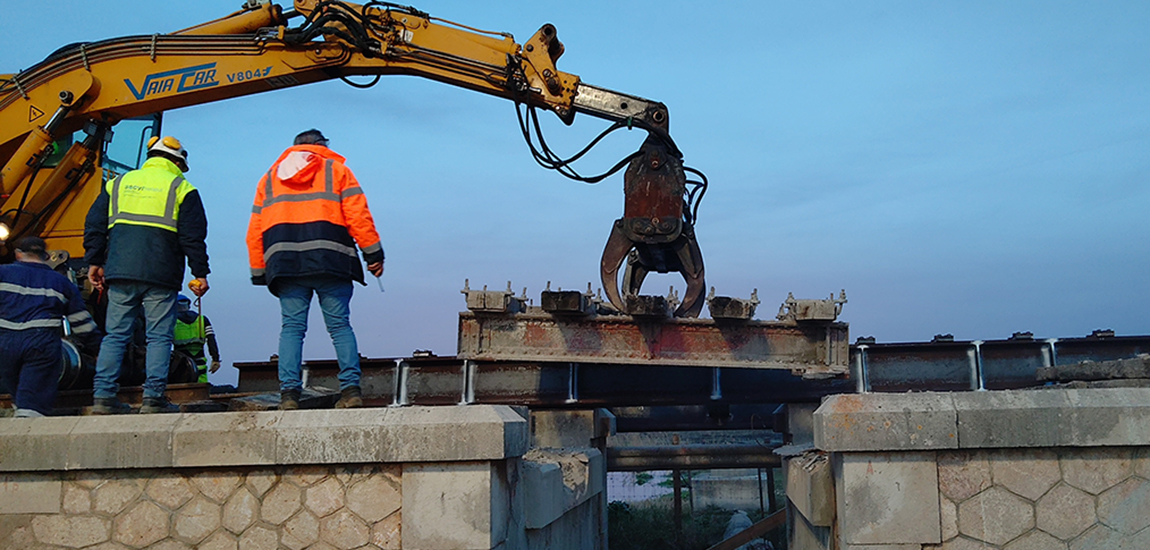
(183, 298)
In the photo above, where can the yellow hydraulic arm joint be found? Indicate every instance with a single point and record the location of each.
(76, 165)
(254, 17)
(541, 52)
(36, 146)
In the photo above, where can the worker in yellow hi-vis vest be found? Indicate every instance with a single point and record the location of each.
(192, 332)
(139, 231)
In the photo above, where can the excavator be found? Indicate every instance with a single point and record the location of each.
(57, 117)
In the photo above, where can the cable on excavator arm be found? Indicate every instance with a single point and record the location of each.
(96, 85)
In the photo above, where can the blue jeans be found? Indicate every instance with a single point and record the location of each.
(125, 301)
(334, 300)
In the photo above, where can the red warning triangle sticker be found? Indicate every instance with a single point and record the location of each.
(34, 113)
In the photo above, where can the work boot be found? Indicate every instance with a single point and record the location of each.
(350, 398)
(109, 405)
(156, 405)
(289, 400)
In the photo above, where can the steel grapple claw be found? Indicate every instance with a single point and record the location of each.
(681, 255)
(653, 234)
(618, 246)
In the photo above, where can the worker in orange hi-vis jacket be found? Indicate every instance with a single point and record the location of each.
(309, 215)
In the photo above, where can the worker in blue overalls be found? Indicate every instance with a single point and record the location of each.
(34, 302)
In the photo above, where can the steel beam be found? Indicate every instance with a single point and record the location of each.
(690, 457)
(547, 382)
(949, 365)
(68, 400)
(814, 350)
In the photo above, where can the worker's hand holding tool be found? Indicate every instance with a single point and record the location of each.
(96, 277)
(215, 367)
(377, 270)
(198, 286)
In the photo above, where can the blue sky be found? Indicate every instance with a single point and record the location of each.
(974, 168)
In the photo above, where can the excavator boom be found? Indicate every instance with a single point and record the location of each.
(93, 86)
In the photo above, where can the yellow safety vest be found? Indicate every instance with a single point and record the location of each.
(150, 196)
(190, 334)
(190, 338)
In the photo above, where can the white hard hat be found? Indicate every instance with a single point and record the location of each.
(171, 146)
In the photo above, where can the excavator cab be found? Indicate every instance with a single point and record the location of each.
(123, 153)
(129, 144)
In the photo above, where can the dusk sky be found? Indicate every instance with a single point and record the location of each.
(974, 168)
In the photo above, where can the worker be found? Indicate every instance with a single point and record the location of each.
(192, 332)
(137, 235)
(309, 215)
(34, 301)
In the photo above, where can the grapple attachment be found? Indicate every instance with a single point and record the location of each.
(654, 234)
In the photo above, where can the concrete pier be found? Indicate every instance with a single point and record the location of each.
(1051, 469)
(380, 478)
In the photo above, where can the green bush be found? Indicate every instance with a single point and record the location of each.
(650, 525)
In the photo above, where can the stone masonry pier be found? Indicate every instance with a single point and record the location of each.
(379, 478)
(1044, 469)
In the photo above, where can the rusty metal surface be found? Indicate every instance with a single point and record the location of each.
(523, 384)
(656, 232)
(948, 365)
(703, 447)
(1075, 350)
(309, 399)
(1134, 368)
(734, 309)
(686, 418)
(812, 349)
(812, 310)
(567, 302)
(728, 397)
(651, 308)
(493, 301)
(70, 400)
(691, 457)
(436, 385)
(443, 380)
(940, 366)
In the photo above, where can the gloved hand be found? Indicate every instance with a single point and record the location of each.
(215, 367)
(198, 286)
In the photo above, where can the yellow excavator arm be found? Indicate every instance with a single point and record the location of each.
(93, 86)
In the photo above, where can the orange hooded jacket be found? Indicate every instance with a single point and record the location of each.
(309, 215)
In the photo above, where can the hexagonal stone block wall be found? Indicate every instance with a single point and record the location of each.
(342, 507)
(1045, 499)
